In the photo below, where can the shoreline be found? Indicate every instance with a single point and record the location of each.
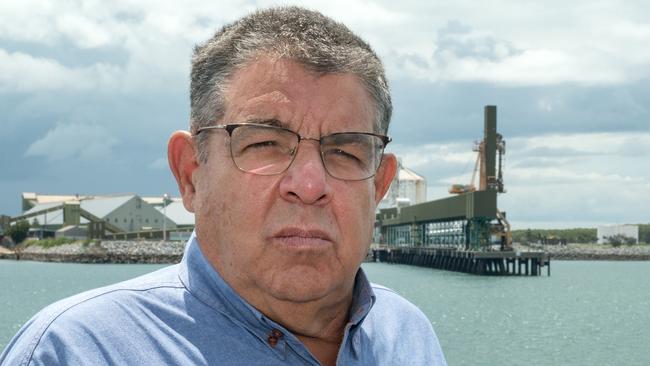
(599, 257)
(592, 252)
(122, 252)
(159, 252)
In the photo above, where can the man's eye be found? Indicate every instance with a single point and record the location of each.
(262, 145)
(340, 153)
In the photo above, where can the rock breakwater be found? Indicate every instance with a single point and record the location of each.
(115, 251)
(105, 252)
(596, 252)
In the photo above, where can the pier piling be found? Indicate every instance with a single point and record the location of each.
(497, 263)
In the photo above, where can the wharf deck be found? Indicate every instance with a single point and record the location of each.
(496, 263)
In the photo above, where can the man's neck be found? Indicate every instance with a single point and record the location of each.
(321, 319)
(319, 325)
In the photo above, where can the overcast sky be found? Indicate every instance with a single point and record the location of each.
(91, 90)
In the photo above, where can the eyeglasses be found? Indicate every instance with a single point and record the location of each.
(269, 150)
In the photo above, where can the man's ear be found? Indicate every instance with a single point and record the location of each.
(181, 155)
(384, 176)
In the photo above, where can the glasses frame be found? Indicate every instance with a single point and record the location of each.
(230, 127)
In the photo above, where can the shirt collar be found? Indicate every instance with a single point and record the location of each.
(204, 282)
(363, 298)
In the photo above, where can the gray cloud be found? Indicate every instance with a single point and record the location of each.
(110, 82)
(74, 141)
(580, 178)
(457, 41)
(553, 152)
(68, 55)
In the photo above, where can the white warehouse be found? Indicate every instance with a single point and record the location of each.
(605, 232)
(408, 188)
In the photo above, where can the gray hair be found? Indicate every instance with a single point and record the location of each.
(308, 37)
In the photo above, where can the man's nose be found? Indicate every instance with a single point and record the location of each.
(306, 180)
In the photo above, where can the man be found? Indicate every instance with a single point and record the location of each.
(283, 168)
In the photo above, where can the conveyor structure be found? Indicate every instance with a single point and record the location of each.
(469, 220)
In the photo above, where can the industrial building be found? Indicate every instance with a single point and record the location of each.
(464, 232)
(607, 233)
(407, 188)
(128, 215)
(183, 219)
(469, 219)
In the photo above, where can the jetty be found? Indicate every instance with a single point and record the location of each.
(497, 263)
(464, 232)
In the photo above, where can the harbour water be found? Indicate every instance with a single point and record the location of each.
(586, 313)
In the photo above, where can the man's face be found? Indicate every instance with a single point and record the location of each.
(301, 235)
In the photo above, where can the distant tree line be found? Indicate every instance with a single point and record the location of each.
(576, 235)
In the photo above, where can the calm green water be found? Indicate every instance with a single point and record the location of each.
(587, 313)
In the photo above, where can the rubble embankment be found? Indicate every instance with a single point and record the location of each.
(103, 252)
(595, 252)
(115, 251)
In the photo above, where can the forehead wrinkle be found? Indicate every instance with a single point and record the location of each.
(274, 89)
(273, 105)
(341, 109)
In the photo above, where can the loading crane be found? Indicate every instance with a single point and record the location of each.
(492, 147)
(493, 182)
(465, 188)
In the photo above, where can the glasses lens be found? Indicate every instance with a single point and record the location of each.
(351, 156)
(264, 150)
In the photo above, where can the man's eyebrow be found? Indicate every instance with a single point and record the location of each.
(268, 121)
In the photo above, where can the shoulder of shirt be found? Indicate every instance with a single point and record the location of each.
(33, 331)
(383, 293)
(390, 304)
(163, 278)
(376, 287)
(398, 327)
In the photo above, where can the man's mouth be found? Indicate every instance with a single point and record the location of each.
(302, 238)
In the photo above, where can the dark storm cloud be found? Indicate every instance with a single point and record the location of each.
(137, 128)
(428, 112)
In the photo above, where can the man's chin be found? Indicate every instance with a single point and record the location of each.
(303, 287)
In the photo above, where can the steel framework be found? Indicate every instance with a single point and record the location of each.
(469, 221)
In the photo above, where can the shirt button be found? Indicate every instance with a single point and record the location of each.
(274, 336)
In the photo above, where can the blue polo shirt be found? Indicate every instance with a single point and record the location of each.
(186, 314)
